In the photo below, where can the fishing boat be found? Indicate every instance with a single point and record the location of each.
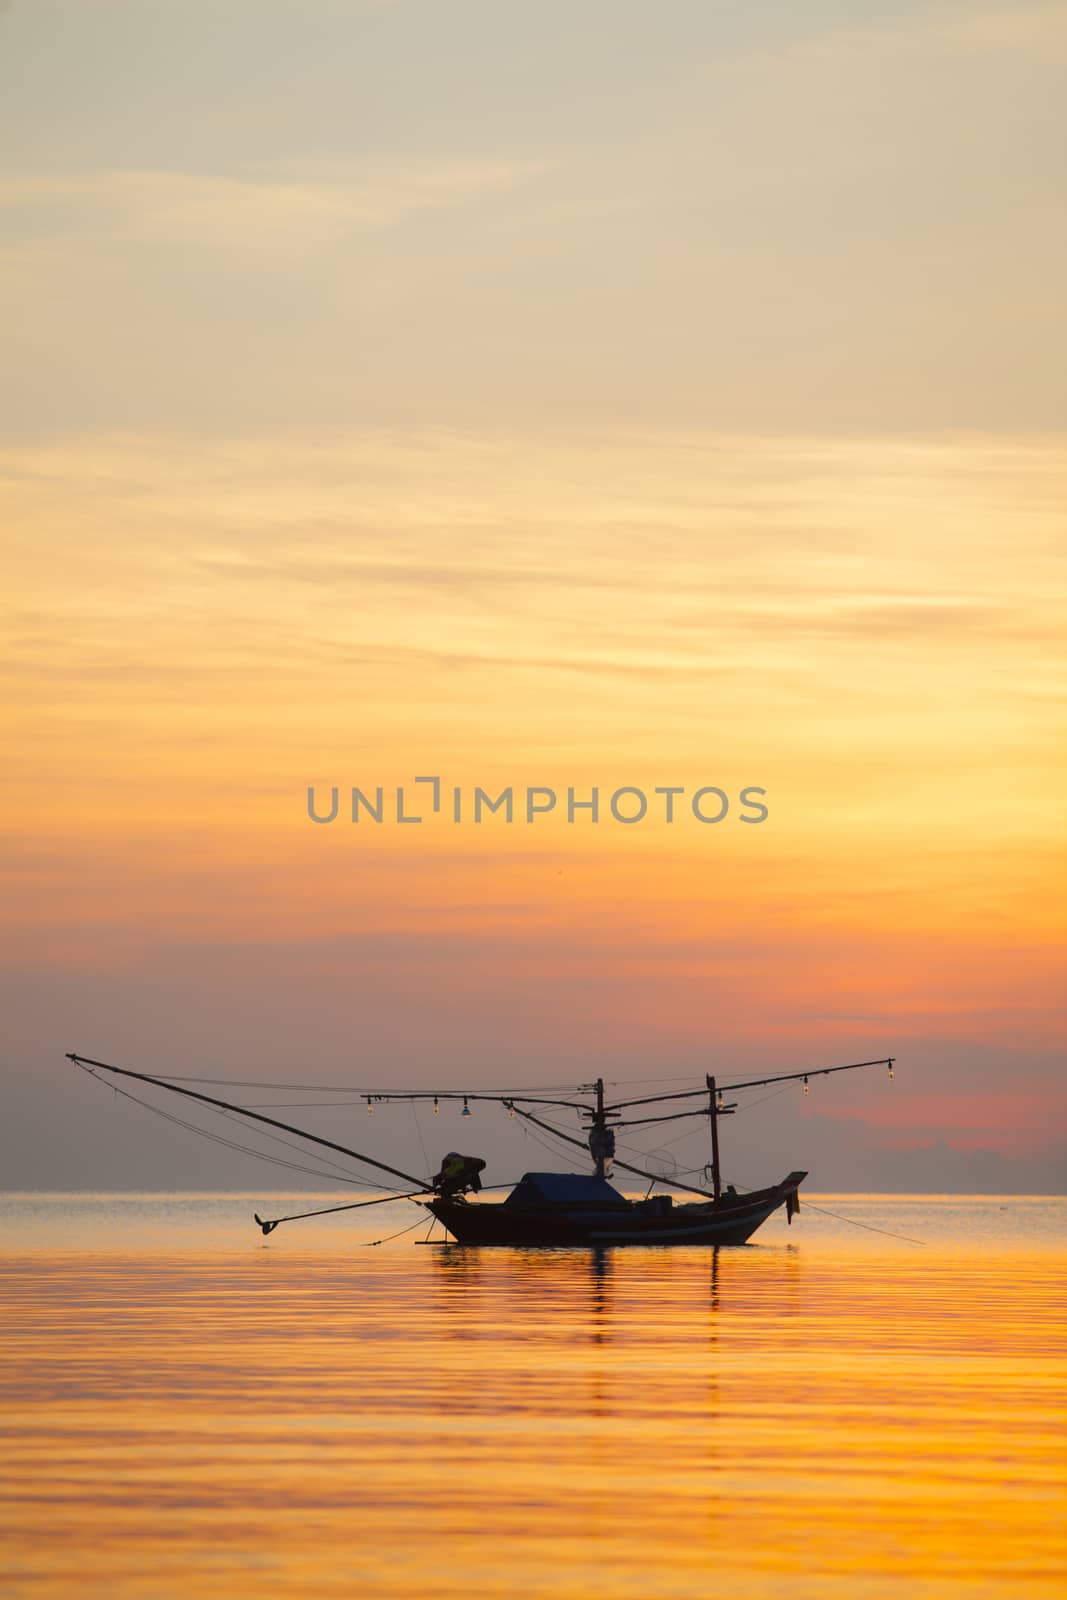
(543, 1208)
(556, 1208)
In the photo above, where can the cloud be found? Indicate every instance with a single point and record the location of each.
(251, 210)
(1038, 32)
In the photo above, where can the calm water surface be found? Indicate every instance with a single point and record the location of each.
(193, 1410)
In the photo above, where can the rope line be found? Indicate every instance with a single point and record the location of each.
(418, 1130)
(904, 1237)
(218, 1138)
(369, 1244)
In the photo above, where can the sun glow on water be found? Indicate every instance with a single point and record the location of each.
(829, 1413)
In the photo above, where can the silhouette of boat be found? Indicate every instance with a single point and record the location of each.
(555, 1208)
(548, 1208)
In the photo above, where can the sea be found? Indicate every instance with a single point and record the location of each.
(867, 1403)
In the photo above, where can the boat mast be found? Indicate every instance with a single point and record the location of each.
(601, 1137)
(713, 1118)
(598, 1146)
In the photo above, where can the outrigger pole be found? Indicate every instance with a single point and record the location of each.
(256, 1116)
(600, 1113)
(269, 1225)
(758, 1083)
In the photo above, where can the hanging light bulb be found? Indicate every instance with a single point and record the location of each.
(805, 1083)
(719, 1101)
(370, 1108)
(466, 1108)
(890, 1069)
(436, 1107)
(511, 1111)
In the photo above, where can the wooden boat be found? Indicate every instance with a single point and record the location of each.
(553, 1208)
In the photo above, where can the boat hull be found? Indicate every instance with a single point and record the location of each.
(730, 1221)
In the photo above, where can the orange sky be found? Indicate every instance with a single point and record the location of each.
(866, 629)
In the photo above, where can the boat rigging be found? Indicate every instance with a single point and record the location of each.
(542, 1208)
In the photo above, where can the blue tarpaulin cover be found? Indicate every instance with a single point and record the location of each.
(563, 1189)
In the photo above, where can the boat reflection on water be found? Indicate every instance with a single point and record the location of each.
(572, 1291)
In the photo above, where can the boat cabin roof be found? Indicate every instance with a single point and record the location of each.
(563, 1189)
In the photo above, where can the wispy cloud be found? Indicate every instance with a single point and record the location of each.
(255, 210)
(1038, 32)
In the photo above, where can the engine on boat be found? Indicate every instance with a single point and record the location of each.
(458, 1175)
